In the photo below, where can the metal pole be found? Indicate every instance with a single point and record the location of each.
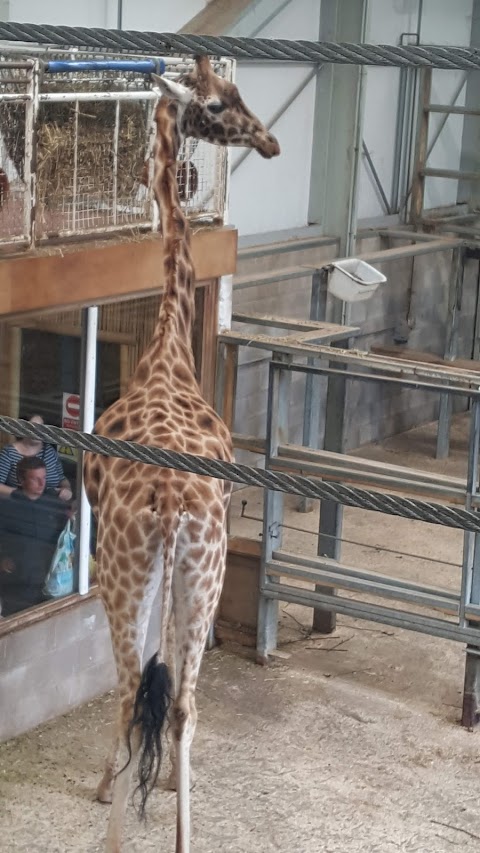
(376, 178)
(277, 431)
(398, 146)
(75, 166)
(87, 420)
(454, 308)
(311, 410)
(470, 587)
(116, 132)
(331, 514)
(119, 14)
(30, 169)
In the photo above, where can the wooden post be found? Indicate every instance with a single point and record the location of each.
(418, 185)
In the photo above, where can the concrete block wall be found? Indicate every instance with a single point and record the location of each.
(416, 289)
(49, 667)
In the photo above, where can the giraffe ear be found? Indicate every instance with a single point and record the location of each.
(171, 89)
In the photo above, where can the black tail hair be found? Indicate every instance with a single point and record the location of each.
(149, 715)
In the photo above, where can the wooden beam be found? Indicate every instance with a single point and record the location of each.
(101, 272)
(406, 354)
(60, 328)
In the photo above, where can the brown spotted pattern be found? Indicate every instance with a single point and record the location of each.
(158, 526)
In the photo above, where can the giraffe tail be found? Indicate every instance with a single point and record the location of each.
(150, 712)
(154, 694)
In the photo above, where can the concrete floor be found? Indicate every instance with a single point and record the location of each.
(347, 743)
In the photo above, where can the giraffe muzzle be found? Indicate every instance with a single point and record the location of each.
(268, 147)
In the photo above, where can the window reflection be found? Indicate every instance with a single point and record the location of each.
(40, 376)
(31, 520)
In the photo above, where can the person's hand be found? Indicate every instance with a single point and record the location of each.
(65, 494)
(7, 565)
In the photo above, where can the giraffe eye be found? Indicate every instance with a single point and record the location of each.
(216, 107)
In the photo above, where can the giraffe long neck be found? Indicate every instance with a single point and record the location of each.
(177, 313)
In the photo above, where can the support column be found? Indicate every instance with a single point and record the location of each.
(336, 160)
(469, 191)
(338, 128)
(277, 433)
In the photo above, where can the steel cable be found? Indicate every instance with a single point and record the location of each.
(278, 50)
(291, 484)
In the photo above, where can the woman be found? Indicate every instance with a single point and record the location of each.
(11, 454)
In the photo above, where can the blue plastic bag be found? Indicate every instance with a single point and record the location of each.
(60, 579)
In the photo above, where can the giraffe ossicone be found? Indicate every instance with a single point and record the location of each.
(161, 529)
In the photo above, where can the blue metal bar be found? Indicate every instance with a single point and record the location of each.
(141, 66)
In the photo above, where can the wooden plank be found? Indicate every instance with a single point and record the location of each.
(60, 328)
(209, 340)
(406, 354)
(230, 386)
(421, 147)
(95, 273)
(400, 234)
(371, 466)
(448, 108)
(410, 251)
(301, 326)
(293, 245)
(456, 174)
(393, 366)
(249, 442)
(368, 479)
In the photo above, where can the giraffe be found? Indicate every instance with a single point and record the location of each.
(158, 528)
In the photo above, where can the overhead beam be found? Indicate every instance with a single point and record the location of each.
(95, 273)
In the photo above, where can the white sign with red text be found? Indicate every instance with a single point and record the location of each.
(71, 411)
(70, 420)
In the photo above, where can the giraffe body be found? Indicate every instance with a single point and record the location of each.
(160, 528)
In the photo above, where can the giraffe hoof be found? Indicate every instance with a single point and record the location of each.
(171, 782)
(104, 793)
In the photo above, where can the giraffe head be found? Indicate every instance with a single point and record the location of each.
(212, 109)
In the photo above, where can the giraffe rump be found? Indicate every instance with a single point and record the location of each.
(152, 704)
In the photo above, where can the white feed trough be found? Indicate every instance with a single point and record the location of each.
(353, 280)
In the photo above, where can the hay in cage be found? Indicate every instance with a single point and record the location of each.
(92, 162)
(82, 149)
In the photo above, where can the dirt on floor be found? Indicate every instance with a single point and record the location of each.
(349, 743)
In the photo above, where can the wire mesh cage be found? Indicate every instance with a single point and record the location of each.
(15, 100)
(75, 153)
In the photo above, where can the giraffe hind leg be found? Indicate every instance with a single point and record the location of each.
(194, 609)
(140, 732)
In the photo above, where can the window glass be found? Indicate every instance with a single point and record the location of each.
(40, 378)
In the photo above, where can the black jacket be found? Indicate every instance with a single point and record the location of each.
(29, 531)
